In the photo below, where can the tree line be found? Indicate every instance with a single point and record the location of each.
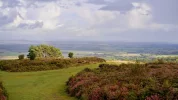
(44, 51)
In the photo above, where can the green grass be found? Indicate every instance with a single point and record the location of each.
(44, 85)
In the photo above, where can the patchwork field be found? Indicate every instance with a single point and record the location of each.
(44, 85)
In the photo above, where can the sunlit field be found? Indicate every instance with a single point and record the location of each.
(45, 85)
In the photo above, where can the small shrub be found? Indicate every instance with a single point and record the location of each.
(71, 54)
(21, 57)
(159, 61)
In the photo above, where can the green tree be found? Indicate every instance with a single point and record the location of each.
(32, 52)
(71, 54)
(31, 55)
(44, 51)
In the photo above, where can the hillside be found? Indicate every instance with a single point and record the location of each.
(151, 81)
(43, 85)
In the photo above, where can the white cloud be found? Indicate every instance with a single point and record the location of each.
(46, 13)
(16, 21)
(79, 18)
(136, 4)
(139, 17)
(1, 3)
(7, 15)
(97, 16)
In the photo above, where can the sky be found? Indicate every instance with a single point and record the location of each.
(89, 20)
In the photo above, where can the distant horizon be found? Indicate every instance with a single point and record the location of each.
(102, 41)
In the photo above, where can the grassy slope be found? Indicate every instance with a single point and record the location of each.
(45, 85)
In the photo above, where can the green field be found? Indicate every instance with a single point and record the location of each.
(44, 85)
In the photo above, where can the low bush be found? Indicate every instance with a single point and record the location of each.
(45, 64)
(21, 57)
(126, 82)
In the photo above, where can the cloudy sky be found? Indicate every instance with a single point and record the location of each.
(102, 20)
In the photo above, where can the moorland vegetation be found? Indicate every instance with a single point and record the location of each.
(3, 92)
(151, 81)
(27, 65)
